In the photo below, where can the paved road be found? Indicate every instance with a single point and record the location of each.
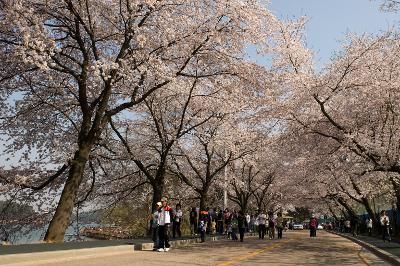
(295, 249)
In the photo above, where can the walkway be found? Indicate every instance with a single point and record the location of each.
(389, 250)
(295, 249)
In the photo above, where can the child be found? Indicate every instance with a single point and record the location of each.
(229, 230)
(213, 227)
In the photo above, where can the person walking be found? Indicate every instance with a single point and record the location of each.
(203, 225)
(248, 218)
(210, 213)
(347, 226)
(252, 223)
(154, 226)
(176, 229)
(354, 225)
(313, 225)
(193, 221)
(205, 218)
(235, 226)
(261, 220)
(242, 224)
(369, 226)
(271, 226)
(164, 221)
(220, 222)
(227, 219)
(279, 225)
(385, 226)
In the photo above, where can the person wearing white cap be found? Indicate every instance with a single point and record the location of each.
(164, 220)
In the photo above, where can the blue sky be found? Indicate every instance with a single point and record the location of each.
(330, 20)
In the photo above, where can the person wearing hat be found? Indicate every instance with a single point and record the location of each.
(164, 220)
(154, 226)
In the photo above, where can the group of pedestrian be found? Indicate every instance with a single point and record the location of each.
(267, 225)
(354, 225)
(384, 223)
(160, 226)
(210, 219)
(236, 223)
(161, 221)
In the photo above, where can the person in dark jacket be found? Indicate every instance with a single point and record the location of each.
(242, 224)
(193, 221)
(354, 225)
(220, 222)
(227, 219)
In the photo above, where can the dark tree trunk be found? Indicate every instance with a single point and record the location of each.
(62, 216)
(243, 204)
(203, 201)
(158, 190)
(349, 210)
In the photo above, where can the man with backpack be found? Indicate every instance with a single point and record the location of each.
(271, 226)
(313, 226)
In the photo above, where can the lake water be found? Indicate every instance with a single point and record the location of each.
(27, 235)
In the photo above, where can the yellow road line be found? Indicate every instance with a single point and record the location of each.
(252, 254)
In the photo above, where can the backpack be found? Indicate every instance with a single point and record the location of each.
(313, 223)
(271, 224)
(234, 223)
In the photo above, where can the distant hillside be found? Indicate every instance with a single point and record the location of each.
(91, 217)
(13, 210)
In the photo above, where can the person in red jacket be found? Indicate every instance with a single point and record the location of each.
(313, 225)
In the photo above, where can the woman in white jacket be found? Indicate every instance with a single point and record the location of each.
(385, 226)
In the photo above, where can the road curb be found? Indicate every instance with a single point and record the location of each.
(377, 251)
(178, 243)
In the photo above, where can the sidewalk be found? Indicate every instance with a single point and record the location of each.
(389, 251)
(133, 244)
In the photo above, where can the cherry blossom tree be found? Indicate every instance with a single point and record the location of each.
(70, 67)
(351, 109)
(390, 5)
(167, 117)
(242, 186)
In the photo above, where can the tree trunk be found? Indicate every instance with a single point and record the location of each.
(203, 201)
(243, 205)
(60, 221)
(349, 209)
(158, 189)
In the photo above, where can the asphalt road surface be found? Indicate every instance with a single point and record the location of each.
(296, 248)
